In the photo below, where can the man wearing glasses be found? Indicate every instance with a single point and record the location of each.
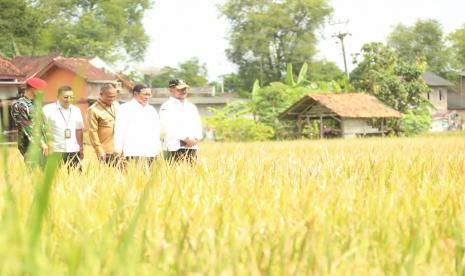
(137, 128)
(67, 127)
(181, 124)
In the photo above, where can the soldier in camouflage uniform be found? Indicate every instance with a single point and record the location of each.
(22, 111)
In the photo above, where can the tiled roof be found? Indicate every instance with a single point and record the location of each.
(82, 67)
(38, 65)
(8, 70)
(31, 65)
(432, 79)
(347, 105)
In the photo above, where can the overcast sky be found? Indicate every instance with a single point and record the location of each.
(181, 29)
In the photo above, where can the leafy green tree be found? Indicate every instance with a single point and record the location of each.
(110, 29)
(19, 26)
(376, 60)
(424, 39)
(396, 83)
(266, 35)
(457, 40)
(323, 70)
(271, 100)
(191, 70)
(233, 83)
(161, 79)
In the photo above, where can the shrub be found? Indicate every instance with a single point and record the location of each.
(415, 122)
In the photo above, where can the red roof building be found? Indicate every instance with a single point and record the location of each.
(80, 73)
(8, 71)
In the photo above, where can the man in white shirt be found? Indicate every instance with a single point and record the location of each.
(181, 123)
(137, 127)
(67, 126)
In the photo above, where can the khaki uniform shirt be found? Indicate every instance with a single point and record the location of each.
(101, 120)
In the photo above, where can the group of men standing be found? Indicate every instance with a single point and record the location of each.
(130, 131)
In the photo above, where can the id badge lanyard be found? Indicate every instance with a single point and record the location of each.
(67, 129)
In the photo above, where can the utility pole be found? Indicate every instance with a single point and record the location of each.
(341, 35)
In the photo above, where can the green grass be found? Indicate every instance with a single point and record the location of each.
(359, 207)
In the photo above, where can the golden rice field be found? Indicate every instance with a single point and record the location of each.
(381, 206)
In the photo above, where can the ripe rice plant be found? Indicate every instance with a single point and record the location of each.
(361, 206)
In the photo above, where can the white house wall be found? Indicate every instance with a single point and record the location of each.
(353, 127)
(8, 92)
(438, 97)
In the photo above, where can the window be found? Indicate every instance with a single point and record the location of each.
(440, 95)
(428, 95)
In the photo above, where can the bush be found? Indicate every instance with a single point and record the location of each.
(241, 129)
(416, 122)
(234, 123)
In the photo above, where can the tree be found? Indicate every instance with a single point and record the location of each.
(190, 70)
(266, 35)
(423, 39)
(161, 79)
(457, 40)
(193, 72)
(232, 83)
(377, 60)
(396, 83)
(109, 29)
(323, 70)
(18, 26)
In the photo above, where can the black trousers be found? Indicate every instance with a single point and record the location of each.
(111, 159)
(183, 155)
(140, 159)
(71, 160)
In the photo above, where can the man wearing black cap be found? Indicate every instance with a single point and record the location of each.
(23, 111)
(181, 123)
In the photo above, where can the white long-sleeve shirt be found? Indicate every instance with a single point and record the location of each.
(137, 130)
(180, 120)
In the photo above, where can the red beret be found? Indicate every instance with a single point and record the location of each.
(36, 83)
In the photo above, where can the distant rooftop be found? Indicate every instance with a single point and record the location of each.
(433, 79)
(8, 70)
(345, 105)
(92, 69)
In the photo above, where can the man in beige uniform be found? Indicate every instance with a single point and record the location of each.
(101, 117)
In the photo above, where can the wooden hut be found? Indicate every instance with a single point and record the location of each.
(356, 114)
